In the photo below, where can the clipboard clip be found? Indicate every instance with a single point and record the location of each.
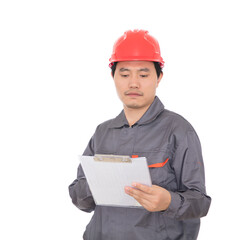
(112, 158)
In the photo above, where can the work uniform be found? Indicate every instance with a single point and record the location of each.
(162, 137)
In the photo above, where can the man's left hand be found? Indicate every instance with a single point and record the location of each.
(152, 198)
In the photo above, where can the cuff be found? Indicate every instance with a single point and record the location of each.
(175, 205)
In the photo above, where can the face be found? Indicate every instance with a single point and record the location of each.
(136, 83)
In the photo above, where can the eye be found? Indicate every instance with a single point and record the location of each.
(124, 75)
(144, 75)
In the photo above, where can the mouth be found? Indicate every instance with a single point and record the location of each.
(133, 94)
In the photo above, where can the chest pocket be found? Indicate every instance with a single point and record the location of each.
(160, 170)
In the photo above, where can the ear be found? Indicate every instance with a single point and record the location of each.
(160, 78)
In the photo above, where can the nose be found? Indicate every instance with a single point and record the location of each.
(134, 82)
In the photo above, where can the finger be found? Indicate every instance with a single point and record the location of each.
(143, 187)
(139, 196)
(136, 193)
(147, 204)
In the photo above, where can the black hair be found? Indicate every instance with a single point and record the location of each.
(158, 69)
(156, 64)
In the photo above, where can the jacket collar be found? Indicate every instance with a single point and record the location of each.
(149, 116)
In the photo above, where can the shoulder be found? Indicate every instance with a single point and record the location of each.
(176, 124)
(104, 125)
(176, 119)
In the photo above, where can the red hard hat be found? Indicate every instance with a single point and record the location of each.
(136, 45)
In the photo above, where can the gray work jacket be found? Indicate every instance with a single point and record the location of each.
(159, 135)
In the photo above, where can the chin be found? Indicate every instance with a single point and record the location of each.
(133, 105)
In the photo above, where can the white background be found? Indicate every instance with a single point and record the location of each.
(56, 88)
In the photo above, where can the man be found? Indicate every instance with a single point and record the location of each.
(174, 204)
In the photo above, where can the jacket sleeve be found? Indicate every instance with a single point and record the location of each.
(190, 200)
(79, 190)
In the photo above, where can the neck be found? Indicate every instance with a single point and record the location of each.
(134, 114)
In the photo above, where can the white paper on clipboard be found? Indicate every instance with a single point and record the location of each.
(107, 178)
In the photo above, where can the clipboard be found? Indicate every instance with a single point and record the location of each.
(107, 176)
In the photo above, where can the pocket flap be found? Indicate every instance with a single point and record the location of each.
(158, 165)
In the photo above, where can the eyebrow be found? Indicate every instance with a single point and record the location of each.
(140, 70)
(124, 69)
(144, 70)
